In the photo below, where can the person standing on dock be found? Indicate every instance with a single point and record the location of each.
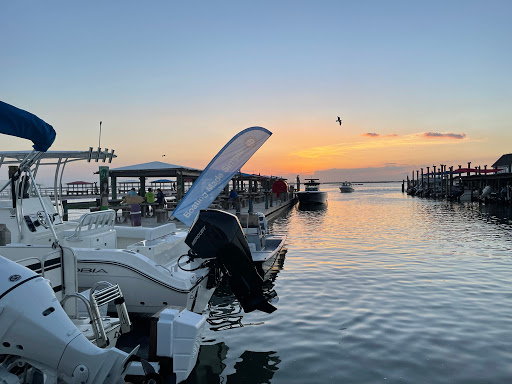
(233, 198)
(150, 199)
(132, 192)
(160, 198)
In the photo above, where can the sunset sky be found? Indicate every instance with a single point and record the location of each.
(416, 83)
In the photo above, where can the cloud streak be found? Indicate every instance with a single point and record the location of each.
(373, 134)
(458, 136)
(384, 142)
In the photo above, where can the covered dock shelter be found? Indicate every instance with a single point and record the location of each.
(248, 186)
(255, 183)
(156, 169)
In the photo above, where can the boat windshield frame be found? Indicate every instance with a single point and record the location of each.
(312, 185)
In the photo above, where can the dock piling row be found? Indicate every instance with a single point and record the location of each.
(469, 184)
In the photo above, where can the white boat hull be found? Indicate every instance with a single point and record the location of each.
(147, 287)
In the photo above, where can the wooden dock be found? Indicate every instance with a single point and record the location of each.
(270, 208)
(462, 184)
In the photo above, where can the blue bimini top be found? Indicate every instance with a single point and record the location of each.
(20, 123)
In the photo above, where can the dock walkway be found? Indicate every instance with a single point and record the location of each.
(270, 213)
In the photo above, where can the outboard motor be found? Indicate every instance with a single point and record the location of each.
(218, 234)
(35, 332)
(486, 193)
(38, 340)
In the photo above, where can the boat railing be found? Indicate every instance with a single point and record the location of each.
(39, 260)
(97, 298)
(110, 293)
(94, 220)
(100, 335)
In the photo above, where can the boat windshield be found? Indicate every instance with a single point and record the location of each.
(311, 185)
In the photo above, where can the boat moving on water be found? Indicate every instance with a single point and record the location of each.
(312, 193)
(346, 187)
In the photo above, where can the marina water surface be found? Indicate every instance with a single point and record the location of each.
(378, 287)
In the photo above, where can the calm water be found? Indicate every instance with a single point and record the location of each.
(377, 288)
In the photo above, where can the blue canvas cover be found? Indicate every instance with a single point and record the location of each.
(20, 123)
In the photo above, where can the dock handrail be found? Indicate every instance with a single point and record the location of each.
(94, 220)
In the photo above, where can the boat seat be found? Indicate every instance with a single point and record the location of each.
(146, 233)
(248, 220)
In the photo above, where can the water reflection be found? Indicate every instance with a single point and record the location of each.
(312, 207)
(251, 367)
(255, 368)
(497, 213)
(225, 311)
(209, 364)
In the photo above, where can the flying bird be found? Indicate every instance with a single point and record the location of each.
(339, 120)
(163, 155)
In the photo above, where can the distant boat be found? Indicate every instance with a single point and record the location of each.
(312, 193)
(346, 187)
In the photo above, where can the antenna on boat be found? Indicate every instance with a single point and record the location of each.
(99, 139)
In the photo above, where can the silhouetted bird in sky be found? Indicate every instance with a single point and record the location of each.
(339, 120)
(163, 155)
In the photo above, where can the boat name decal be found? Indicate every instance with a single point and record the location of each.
(91, 270)
(198, 235)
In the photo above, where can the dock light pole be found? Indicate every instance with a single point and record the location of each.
(469, 167)
(99, 139)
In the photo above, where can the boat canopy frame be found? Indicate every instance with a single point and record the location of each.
(28, 162)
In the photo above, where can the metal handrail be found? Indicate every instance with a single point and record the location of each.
(112, 292)
(96, 322)
(97, 219)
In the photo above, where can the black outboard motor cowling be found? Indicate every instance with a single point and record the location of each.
(218, 234)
